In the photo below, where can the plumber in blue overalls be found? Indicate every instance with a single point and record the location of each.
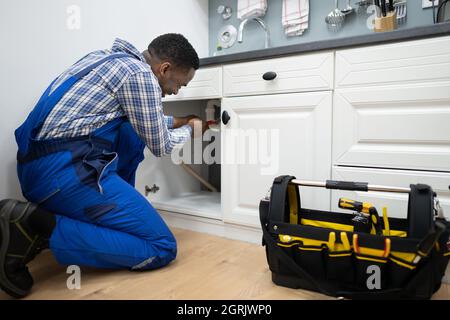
(78, 151)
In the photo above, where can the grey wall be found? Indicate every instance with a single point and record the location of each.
(254, 36)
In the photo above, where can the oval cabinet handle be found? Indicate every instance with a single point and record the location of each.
(270, 75)
(225, 117)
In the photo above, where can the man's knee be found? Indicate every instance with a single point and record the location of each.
(162, 253)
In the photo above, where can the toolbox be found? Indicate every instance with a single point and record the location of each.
(360, 254)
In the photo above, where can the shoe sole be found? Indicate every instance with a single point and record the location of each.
(5, 284)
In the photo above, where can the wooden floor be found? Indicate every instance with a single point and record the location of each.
(207, 267)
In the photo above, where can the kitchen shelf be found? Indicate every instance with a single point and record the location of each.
(203, 203)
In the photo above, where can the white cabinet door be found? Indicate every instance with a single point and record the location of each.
(418, 61)
(206, 84)
(308, 72)
(397, 204)
(273, 135)
(401, 126)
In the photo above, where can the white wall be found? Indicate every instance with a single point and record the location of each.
(37, 45)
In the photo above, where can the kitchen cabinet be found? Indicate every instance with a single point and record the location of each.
(391, 115)
(294, 129)
(398, 126)
(206, 84)
(168, 186)
(418, 61)
(292, 132)
(309, 72)
(377, 114)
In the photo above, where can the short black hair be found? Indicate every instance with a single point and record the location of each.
(175, 48)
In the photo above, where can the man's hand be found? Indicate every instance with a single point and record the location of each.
(179, 122)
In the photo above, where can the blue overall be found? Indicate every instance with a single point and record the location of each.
(88, 182)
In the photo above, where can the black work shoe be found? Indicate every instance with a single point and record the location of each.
(19, 244)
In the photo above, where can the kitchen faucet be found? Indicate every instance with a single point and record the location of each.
(261, 23)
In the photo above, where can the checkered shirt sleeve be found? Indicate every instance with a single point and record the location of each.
(140, 99)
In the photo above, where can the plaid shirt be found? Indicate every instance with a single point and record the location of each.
(117, 88)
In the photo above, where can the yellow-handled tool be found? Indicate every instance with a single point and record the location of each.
(363, 207)
(358, 206)
(387, 230)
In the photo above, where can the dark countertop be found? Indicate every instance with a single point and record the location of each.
(435, 30)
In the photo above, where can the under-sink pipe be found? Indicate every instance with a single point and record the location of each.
(210, 112)
(213, 123)
(191, 171)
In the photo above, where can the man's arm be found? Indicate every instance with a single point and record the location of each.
(140, 98)
(169, 121)
(176, 122)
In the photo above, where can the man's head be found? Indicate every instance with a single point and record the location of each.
(173, 61)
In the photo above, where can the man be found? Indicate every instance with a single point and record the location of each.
(78, 153)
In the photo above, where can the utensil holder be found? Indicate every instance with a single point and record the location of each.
(388, 23)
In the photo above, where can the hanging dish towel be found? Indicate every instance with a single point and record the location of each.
(251, 9)
(295, 17)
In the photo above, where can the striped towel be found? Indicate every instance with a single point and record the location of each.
(251, 9)
(295, 17)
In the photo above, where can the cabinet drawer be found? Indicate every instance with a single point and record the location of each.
(311, 72)
(206, 84)
(405, 62)
(404, 127)
(397, 204)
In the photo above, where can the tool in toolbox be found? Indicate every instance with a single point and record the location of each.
(324, 251)
(363, 208)
(387, 230)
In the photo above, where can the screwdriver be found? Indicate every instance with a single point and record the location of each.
(358, 206)
(364, 207)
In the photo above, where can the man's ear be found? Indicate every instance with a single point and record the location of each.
(164, 67)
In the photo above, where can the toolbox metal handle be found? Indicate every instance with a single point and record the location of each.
(349, 185)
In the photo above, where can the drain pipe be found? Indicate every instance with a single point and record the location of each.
(191, 171)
